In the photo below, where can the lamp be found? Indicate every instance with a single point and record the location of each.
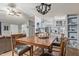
(43, 8)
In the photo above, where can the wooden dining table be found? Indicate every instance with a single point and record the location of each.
(35, 41)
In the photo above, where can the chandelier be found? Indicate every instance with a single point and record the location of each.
(43, 8)
(12, 10)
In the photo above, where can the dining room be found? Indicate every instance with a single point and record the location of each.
(39, 29)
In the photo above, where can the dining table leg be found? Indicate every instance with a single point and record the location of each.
(42, 50)
(50, 49)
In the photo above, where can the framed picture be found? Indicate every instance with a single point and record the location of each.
(58, 23)
(6, 28)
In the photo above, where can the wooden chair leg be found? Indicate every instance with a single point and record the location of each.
(42, 50)
(31, 51)
(65, 52)
(12, 53)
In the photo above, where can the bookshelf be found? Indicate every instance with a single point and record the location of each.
(72, 30)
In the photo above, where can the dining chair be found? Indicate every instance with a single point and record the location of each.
(62, 48)
(18, 48)
(57, 42)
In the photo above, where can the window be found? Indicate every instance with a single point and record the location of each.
(6, 28)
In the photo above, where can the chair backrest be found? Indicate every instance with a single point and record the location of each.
(15, 36)
(13, 39)
(63, 46)
(12, 42)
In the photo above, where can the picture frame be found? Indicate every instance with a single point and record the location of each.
(6, 28)
(59, 23)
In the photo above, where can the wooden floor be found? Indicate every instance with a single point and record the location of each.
(70, 52)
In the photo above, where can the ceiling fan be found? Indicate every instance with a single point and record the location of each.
(11, 9)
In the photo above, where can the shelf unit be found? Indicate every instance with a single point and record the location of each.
(72, 29)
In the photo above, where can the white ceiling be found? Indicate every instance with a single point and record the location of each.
(28, 9)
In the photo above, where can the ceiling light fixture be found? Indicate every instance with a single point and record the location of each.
(43, 8)
(13, 10)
